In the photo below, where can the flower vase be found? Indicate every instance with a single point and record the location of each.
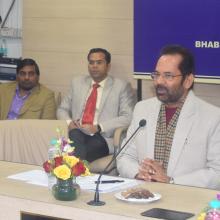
(51, 180)
(66, 190)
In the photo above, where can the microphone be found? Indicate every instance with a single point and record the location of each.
(96, 201)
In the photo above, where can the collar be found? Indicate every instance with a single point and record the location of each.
(18, 94)
(102, 83)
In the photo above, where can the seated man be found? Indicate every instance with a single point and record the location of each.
(96, 105)
(26, 98)
(181, 141)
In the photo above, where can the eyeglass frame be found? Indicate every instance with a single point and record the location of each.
(166, 75)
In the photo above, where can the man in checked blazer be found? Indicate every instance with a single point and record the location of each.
(181, 141)
(113, 108)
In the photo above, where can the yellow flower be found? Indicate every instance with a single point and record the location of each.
(62, 172)
(70, 160)
(87, 172)
(201, 216)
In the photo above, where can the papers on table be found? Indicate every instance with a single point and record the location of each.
(88, 183)
(39, 177)
(36, 177)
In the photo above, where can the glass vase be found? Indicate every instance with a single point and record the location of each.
(51, 180)
(66, 190)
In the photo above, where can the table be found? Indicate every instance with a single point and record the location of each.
(17, 196)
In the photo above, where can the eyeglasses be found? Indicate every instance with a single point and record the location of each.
(167, 76)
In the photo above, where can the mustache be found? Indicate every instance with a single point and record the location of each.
(159, 87)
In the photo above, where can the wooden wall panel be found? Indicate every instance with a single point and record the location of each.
(77, 35)
(115, 9)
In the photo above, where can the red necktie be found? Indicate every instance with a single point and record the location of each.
(89, 112)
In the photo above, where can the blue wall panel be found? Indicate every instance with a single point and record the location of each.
(194, 24)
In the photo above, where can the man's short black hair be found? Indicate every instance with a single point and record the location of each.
(27, 62)
(187, 65)
(101, 50)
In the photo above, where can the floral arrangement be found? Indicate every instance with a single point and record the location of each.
(65, 165)
(212, 212)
